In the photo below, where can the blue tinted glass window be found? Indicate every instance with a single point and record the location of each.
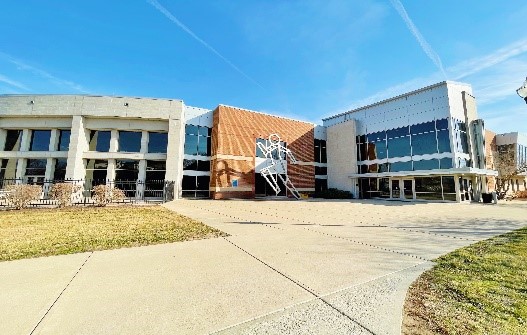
(64, 140)
(399, 147)
(445, 163)
(443, 141)
(401, 166)
(464, 142)
(373, 137)
(129, 141)
(429, 164)
(40, 140)
(383, 167)
(203, 131)
(442, 124)
(397, 132)
(381, 151)
(191, 144)
(191, 129)
(422, 127)
(36, 167)
(100, 140)
(202, 146)
(424, 144)
(157, 142)
(259, 152)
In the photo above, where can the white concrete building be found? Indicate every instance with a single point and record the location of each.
(98, 138)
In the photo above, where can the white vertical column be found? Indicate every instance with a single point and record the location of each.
(144, 142)
(3, 135)
(458, 189)
(75, 168)
(114, 141)
(141, 179)
(26, 139)
(53, 140)
(174, 162)
(110, 171)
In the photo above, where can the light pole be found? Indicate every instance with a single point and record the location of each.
(522, 91)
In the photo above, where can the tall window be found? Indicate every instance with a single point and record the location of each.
(36, 167)
(13, 139)
(64, 140)
(197, 140)
(129, 141)
(155, 178)
(96, 170)
(157, 142)
(60, 169)
(320, 151)
(100, 140)
(40, 140)
(126, 169)
(195, 186)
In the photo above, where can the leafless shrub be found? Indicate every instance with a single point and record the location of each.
(62, 192)
(20, 196)
(105, 194)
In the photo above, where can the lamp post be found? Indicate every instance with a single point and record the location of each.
(522, 91)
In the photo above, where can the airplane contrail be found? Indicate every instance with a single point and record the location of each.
(186, 29)
(427, 48)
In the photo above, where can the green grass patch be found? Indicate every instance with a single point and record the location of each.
(44, 232)
(479, 289)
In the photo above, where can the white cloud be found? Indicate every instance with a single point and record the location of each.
(186, 29)
(21, 65)
(427, 48)
(13, 83)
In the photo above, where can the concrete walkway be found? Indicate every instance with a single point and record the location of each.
(308, 267)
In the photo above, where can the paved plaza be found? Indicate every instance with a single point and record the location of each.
(288, 267)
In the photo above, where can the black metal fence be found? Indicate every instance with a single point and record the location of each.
(134, 190)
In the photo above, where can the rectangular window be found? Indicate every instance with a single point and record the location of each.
(130, 141)
(155, 178)
(157, 142)
(398, 132)
(320, 151)
(442, 124)
(96, 171)
(429, 164)
(13, 139)
(449, 188)
(40, 140)
(401, 166)
(424, 143)
(423, 128)
(100, 140)
(195, 186)
(36, 167)
(60, 169)
(126, 169)
(428, 188)
(321, 170)
(443, 141)
(399, 147)
(321, 185)
(64, 140)
(445, 163)
(197, 140)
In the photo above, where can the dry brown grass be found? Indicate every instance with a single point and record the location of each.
(44, 232)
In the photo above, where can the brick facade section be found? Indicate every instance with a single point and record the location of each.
(235, 132)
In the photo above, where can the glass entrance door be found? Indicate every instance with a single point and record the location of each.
(396, 191)
(408, 188)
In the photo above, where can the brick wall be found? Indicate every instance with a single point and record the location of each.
(234, 137)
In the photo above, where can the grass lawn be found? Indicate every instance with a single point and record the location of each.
(480, 289)
(44, 232)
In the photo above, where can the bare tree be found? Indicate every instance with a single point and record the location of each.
(508, 167)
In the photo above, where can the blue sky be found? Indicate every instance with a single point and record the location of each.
(305, 59)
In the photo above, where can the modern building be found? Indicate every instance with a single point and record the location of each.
(424, 145)
(427, 144)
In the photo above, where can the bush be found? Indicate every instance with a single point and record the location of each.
(62, 192)
(20, 196)
(334, 193)
(104, 194)
(520, 194)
